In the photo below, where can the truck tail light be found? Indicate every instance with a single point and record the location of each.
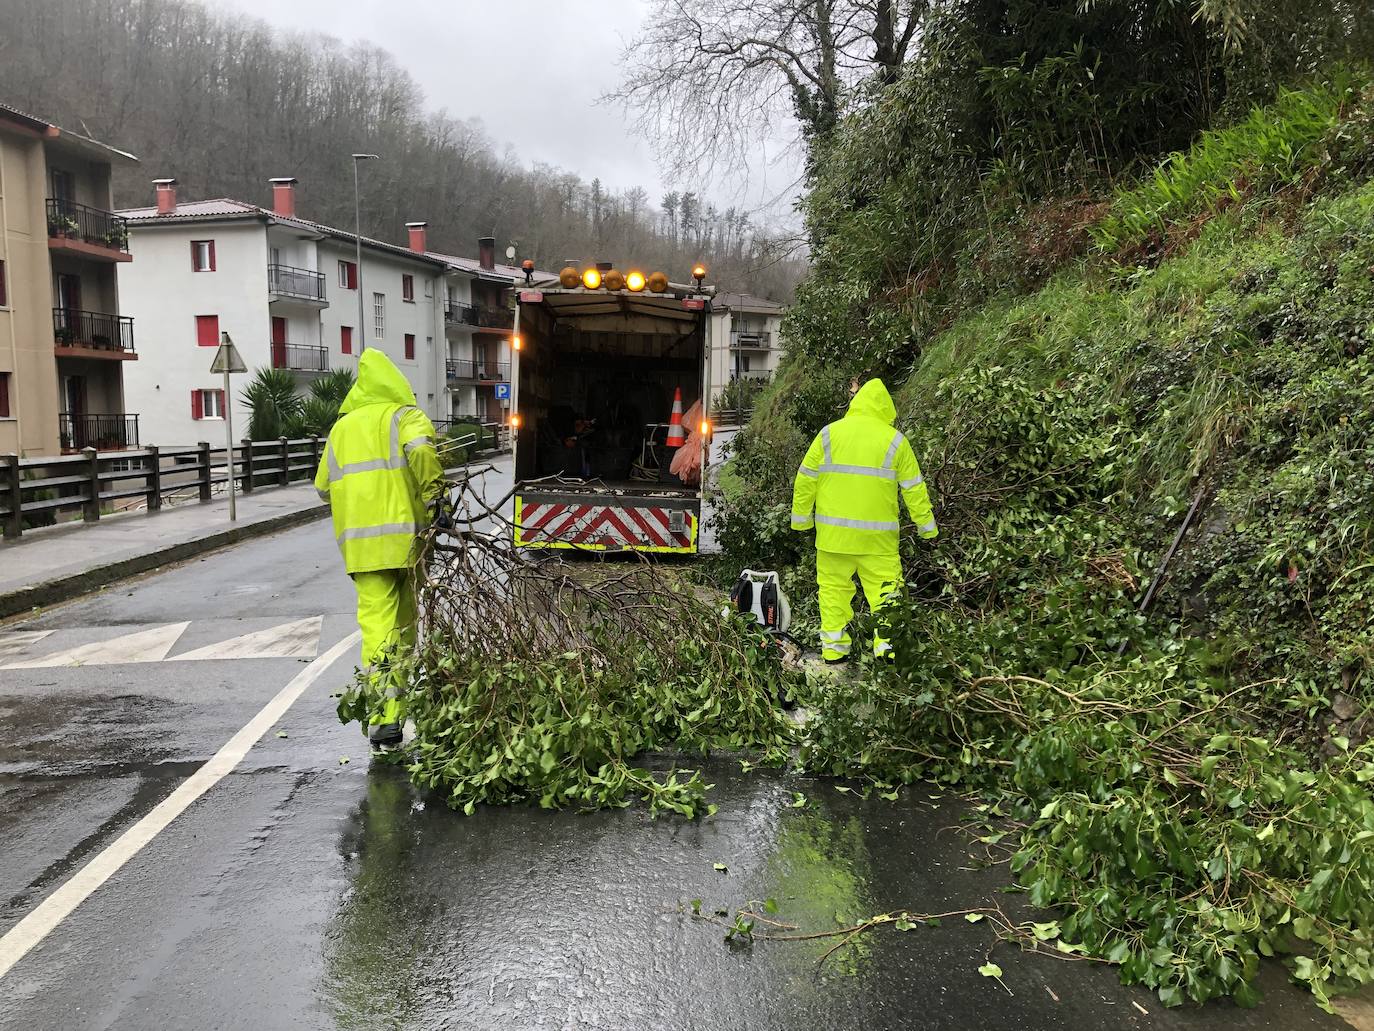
(517, 343)
(515, 420)
(591, 279)
(634, 281)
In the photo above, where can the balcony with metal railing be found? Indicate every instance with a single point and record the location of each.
(460, 370)
(102, 432)
(93, 334)
(459, 314)
(286, 283)
(87, 232)
(746, 341)
(492, 372)
(489, 317)
(300, 357)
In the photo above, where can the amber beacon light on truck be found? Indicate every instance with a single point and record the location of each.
(606, 277)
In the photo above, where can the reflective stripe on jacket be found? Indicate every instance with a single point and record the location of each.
(380, 469)
(848, 483)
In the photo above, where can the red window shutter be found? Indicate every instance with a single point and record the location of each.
(346, 339)
(197, 411)
(212, 255)
(4, 395)
(223, 403)
(410, 346)
(4, 290)
(407, 288)
(207, 330)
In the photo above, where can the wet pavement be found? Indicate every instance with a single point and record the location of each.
(302, 892)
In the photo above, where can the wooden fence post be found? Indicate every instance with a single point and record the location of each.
(285, 462)
(154, 479)
(204, 482)
(247, 466)
(14, 484)
(90, 509)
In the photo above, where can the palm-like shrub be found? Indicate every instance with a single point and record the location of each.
(273, 404)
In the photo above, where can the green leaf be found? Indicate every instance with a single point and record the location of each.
(990, 970)
(770, 905)
(973, 918)
(798, 800)
(720, 867)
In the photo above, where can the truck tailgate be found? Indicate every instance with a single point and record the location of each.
(600, 521)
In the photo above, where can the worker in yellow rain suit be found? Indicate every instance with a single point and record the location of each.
(380, 473)
(851, 476)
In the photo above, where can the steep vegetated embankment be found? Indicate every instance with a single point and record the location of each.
(1191, 785)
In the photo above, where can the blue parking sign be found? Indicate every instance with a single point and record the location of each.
(503, 391)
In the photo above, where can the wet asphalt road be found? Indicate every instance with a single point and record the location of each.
(300, 892)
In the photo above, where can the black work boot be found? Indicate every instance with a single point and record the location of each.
(384, 736)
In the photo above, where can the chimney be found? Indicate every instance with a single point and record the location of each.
(284, 196)
(419, 236)
(166, 196)
(486, 252)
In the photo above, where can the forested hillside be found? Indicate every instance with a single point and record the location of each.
(223, 103)
(1098, 348)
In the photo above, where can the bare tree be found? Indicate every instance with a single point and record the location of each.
(709, 80)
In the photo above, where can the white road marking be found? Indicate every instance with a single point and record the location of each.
(23, 936)
(144, 646)
(298, 640)
(20, 641)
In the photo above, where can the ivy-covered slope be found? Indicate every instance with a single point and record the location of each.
(1191, 785)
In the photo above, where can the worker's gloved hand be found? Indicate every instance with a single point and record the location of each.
(442, 520)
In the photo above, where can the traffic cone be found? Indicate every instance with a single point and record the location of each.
(676, 436)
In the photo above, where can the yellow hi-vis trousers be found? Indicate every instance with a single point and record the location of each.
(880, 575)
(386, 616)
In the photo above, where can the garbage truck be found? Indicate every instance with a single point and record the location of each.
(605, 365)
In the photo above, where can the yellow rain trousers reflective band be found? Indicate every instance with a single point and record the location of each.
(386, 616)
(880, 576)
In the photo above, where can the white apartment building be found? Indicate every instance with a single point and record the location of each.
(286, 290)
(478, 324)
(746, 342)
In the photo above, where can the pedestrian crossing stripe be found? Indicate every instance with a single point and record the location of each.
(20, 642)
(298, 640)
(144, 646)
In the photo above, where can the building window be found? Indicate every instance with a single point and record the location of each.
(348, 275)
(207, 330)
(346, 339)
(203, 255)
(410, 347)
(4, 288)
(379, 315)
(408, 288)
(207, 404)
(4, 395)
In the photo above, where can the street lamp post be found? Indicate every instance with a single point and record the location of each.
(358, 252)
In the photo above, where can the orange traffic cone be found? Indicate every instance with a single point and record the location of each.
(676, 436)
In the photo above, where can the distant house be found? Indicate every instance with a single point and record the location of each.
(64, 344)
(747, 346)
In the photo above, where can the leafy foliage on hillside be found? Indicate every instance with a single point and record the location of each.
(1190, 785)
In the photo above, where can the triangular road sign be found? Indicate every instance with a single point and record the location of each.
(227, 358)
(298, 640)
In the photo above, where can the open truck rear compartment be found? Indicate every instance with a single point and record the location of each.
(593, 384)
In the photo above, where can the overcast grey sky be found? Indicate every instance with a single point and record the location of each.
(530, 71)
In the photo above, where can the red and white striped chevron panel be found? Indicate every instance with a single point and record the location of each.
(617, 527)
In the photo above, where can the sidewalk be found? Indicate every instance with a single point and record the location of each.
(47, 566)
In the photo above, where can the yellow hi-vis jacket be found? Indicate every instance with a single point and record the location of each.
(380, 469)
(851, 476)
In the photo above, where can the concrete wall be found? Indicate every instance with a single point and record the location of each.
(164, 295)
(26, 336)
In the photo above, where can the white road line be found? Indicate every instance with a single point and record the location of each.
(24, 935)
